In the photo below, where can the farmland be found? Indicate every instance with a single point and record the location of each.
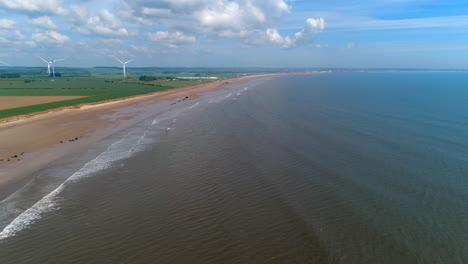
(90, 90)
(7, 102)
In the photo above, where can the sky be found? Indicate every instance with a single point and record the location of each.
(236, 33)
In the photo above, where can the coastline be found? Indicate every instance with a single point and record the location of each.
(31, 143)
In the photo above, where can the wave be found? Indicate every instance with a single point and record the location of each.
(48, 203)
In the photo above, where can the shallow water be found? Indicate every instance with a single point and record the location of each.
(332, 168)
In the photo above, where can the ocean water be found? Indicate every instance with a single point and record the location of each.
(326, 168)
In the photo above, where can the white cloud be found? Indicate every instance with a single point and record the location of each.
(141, 49)
(105, 24)
(34, 7)
(11, 36)
(274, 36)
(43, 22)
(78, 15)
(148, 26)
(171, 39)
(14, 38)
(7, 23)
(348, 23)
(50, 37)
(251, 21)
(312, 28)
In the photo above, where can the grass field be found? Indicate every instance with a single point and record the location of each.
(95, 89)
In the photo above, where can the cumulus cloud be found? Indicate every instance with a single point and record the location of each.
(11, 35)
(312, 28)
(7, 23)
(142, 49)
(105, 24)
(207, 15)
(50, 37)
(43, 22)
(155, 25)
(251, 21)
(14, 38)
(77, 15)
(171, 39)
(34, 7)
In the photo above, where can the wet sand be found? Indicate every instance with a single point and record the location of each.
(31, 143)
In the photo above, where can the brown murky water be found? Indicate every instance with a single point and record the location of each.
(260, 174)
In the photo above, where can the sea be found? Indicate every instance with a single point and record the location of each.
(351, 167)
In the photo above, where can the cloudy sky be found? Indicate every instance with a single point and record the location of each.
(232, 33)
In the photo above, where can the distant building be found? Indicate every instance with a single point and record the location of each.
(198, 78)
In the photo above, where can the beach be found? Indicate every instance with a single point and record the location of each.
(32, 142)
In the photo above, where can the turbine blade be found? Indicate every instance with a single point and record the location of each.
(118, 60)
(43, 59)
(128, 61)
(4, 63)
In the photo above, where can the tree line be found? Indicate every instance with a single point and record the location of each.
(149, 78)
(10, 75)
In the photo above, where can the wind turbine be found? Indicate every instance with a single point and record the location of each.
(53, 65)
(123, 65)
(48, 64)
(4, 63)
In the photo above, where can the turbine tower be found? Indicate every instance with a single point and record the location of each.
(2, 62)
(123, 65)
(53, 65)
(48, 64)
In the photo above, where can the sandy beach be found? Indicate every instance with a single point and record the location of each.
(33, 142)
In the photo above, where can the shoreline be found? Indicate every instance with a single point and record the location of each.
(12, 119)
(32, 143)
(8, 120)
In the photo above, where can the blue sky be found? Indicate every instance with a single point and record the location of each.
(233, 33)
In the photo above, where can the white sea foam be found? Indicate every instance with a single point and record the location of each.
(49, 202)
(195, 105)
(138, 144)
(219, 99)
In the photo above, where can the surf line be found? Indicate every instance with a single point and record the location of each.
(138, 142)
(46, 203)
(195, 105)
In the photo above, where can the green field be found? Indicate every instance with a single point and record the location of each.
(96, 89)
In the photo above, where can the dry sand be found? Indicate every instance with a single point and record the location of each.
(7, 102)
(30, 143)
